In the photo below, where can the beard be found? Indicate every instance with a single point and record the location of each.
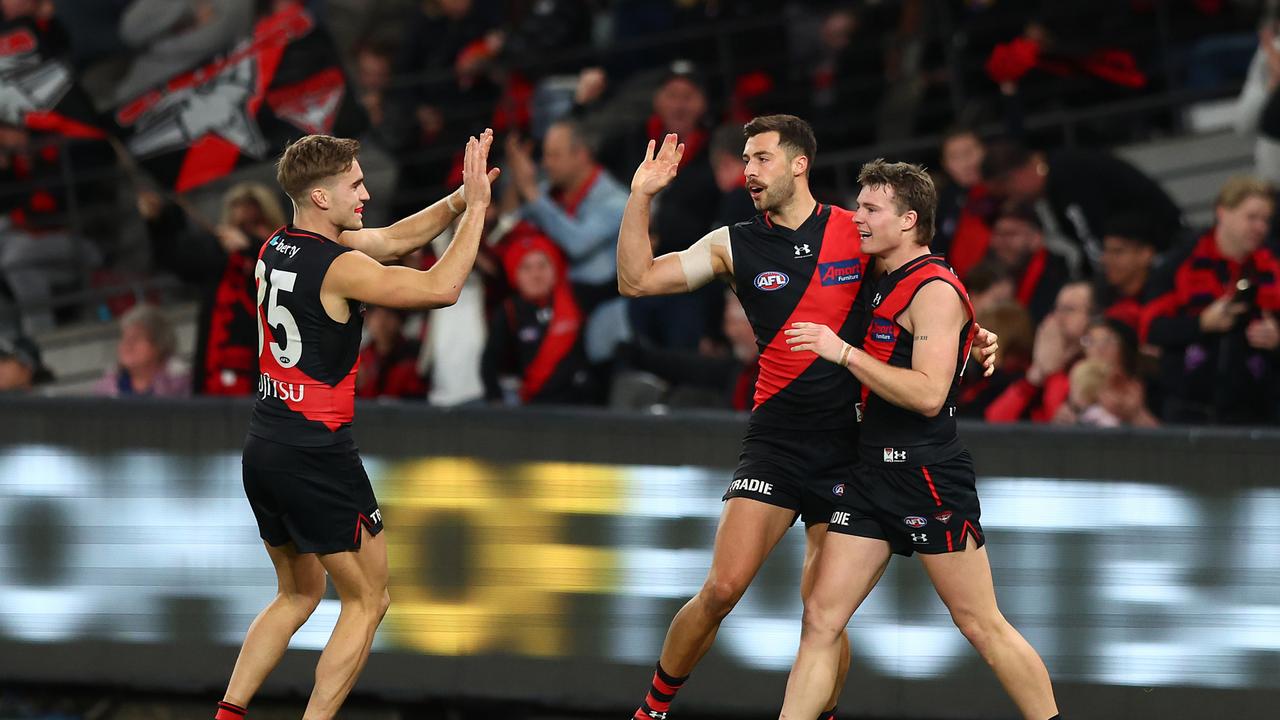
(777, 195)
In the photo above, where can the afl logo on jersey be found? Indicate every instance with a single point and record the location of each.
(771, 280)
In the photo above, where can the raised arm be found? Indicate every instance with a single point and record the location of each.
(408, 234)
(357, 276)
(639, 273)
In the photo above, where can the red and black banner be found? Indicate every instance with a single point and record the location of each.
(242, 107)
(38, 90)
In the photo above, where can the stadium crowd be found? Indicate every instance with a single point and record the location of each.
(1110, 309)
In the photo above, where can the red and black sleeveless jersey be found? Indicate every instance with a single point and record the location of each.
(306, 360)
(811, 274)
(892, 434)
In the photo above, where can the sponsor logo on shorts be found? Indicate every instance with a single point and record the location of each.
(771, 280)
(895, 456)
(376, 516)
(915, 521)
(919, 538)
(840, 272)
(751, 485)
(840, 518)
(838, 490)
(943, 517)
(883, 330)
(857, 408)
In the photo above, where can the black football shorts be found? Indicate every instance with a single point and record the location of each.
(318, 498)
(929, 509)
(802, 470)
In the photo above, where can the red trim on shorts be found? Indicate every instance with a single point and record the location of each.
(950, 547)
(932, 490)
(968, 528)
(361, 518)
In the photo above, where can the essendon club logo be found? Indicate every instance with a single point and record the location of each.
(771, 280)
(883, 330)
(840, 272)
(943, 517)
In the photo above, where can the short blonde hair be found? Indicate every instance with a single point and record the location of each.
(1087, 380)
(913, 189)
(257, 193)
(313, 158)
(1242, 187)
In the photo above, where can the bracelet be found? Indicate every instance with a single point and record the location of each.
(448, 201)
(844, 355)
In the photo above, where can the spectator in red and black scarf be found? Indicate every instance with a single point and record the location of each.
(389, 361)
(964, 204)
(1214, 318)
(1017, 243)
(1128, 259)
(535, 335)
(220, 263)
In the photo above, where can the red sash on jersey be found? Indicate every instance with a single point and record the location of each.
(824, 304)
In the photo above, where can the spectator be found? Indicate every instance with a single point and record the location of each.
(1128, 256)
(21, 367)
(1012, 323)
(219, 263)
(728, 168)
(145, 356)
(1075, 191)
(689, 207)
(1118, 396)
(990, 284)
(1037, 395)
(1214, 315)
(171, 36)
(1017, 243)
(535, 336)
(580, 209)
(373, 59)
(388, 361)
(965, 204)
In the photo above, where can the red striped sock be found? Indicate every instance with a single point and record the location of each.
(662, 691)
(229, 711)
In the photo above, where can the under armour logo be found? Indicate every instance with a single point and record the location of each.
(919, 537)
(875, 302)
(803, 251)
(657, 715)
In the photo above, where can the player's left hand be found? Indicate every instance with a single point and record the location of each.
(816, 338)
(985, 345)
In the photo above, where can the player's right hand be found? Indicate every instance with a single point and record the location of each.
(476, 178)
(657, 170)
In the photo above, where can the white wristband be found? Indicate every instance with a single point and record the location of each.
(448, 201)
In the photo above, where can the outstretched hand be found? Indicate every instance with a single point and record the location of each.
(657, 170)
(477, 178)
